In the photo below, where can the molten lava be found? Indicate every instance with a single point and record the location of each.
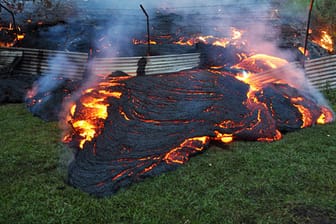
(235, 38)
(128, 128)
(87, 117)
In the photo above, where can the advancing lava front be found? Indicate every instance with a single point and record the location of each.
(127, 128)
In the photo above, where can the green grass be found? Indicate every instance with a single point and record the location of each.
(289, 181)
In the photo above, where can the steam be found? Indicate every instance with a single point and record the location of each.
(49, 89)
(115, 23)
(257, 18)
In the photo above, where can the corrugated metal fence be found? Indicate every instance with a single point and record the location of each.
(321, 72)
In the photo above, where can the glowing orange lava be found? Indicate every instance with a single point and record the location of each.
(87, 117)
(326, 117)
(196, 143)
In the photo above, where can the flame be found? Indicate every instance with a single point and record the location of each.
(73, 110)
(210, 39)
(15, 35)
(325, 41)
(301, 49)
(234, 39)
(236, 34)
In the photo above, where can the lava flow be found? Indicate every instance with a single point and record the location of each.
(127, 128)
(87, 116)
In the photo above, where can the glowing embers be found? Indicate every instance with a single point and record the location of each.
(10, 35)
(87, 116)
(235, 37)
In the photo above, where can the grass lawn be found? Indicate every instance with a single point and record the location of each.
(289, 181)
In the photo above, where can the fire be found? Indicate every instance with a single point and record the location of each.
(13, 34)
(234, 38)
(236, 35)
(325, 41)
(182, 41)
(301, 49)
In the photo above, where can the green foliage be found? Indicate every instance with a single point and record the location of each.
(289, 181)
(329, 93)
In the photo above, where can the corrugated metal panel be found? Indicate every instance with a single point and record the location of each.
(321, 72)
(46, 62)
(155, 64)
(74, 64)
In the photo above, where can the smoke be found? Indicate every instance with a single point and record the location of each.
(47, 93)
(111, 25)
(212, 17)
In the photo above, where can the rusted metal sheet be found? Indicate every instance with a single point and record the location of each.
(48, 62)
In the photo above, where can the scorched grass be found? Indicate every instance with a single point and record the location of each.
(291, 180)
